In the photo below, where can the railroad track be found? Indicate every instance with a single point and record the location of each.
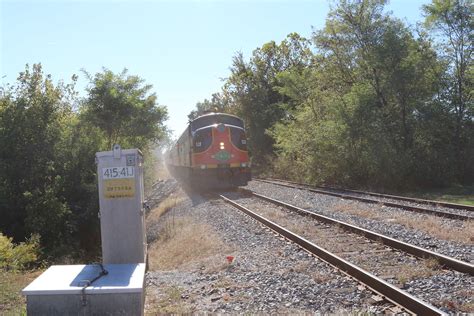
(350, 247)
(390, 196)
(454, 212)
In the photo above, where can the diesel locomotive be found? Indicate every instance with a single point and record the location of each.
(211, 152)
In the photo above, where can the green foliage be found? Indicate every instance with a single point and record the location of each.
(250, 92)
(121, 106)
(367, 114)
(18, 257)
(218, 103)
(48, 184)
(371, 103)
(452, 22)
(33, 116)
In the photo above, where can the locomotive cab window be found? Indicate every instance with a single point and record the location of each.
(202, 140)
(238, 138)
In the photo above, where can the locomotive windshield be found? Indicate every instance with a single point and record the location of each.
(212, 119)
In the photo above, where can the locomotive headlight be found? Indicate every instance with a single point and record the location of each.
(243, 164)
(203, 166)
(221, 145)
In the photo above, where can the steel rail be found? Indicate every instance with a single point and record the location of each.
(357, 198)
(387, 290)
(391, 196)
(445, 261)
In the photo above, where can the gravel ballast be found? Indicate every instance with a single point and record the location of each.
(325, 205)
(268, 274)
(448, 290)
(433, 206)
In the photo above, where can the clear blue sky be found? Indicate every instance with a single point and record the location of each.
(182, 48)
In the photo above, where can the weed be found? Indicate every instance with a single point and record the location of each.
(224, 282)
(174, 293)
(11, 283)
(170, 302)
(165, 206)
(407, 273)
(429, 224)
(185, 241)
(432, 264)
(320, 277)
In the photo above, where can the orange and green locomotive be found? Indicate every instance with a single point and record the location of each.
(212, 152)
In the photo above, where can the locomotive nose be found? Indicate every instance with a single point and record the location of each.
(221, 128)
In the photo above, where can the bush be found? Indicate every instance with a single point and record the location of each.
(18, 257)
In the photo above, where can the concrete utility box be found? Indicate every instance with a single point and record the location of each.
(59, 291)
(121, 197)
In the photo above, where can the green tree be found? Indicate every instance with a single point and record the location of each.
(372, 102)
(122, 107)
(48, 186)
(33, 114)
(452, 21)
(359, 101)
(79, 183)
(251, 88)
(218, 103)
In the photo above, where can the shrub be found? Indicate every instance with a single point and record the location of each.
(18, 257)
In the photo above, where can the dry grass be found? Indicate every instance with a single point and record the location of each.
(467, 305)
(306, 229)
(432, 225)
(185, 242)
(169, 301)
(321, 277)
(432, 263)
(301, 267)
(224, 282)
(325, 239)
(166, 205)
(217, 262)
(181, 239)
(406, 273)
(11, 283)
(349, 209)
(275, 215)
